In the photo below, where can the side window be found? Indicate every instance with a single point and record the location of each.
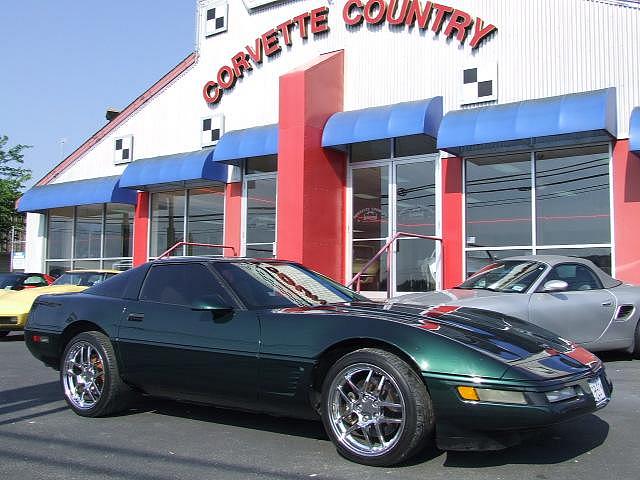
(34, 281)
(577, 276)
(183, 284)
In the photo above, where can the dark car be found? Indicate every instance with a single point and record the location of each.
(275, 337)
(20, 281)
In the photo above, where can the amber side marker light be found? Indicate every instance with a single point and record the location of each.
(468, 393)
(491, 396)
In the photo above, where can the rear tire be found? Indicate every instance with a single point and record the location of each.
(90, 377)
(375, 408)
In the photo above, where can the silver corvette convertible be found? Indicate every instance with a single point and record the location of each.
(567, 295)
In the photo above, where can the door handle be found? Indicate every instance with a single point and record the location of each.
(608, 303)
(135, 317)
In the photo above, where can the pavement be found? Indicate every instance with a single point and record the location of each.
(40, 438)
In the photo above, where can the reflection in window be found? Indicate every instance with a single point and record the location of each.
(416, 198)
(366, 151)
(118, 233)
(88, 231)
(205, 222)
(414, 145)
(498, 201)
(370, 202)
(572, 196)
(167, 221)
(59, 232)
(416, 265)
(478, 259)
(601, 257)
(261, 216)
(374, 279)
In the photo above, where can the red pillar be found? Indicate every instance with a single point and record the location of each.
(232, 218)
(626, 208)
(311, 180)
(452, 221)
(141, 229)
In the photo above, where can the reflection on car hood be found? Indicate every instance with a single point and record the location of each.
(18, 302)
(458, 295)
(517, 343)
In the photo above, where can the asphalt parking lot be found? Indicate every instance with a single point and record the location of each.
(41, 439)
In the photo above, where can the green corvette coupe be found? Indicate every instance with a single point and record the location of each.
(275, 337)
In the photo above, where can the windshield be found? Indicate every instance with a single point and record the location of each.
(278, 285)
(8, 280)
(82, 279)
(509, 276)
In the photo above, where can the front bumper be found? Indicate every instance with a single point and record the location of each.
(12, 322)
(470, 425)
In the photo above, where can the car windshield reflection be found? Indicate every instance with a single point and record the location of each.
(280, 285)
(510, 276)
(82, 279)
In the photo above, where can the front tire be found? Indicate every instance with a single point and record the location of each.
(90, 377)
(375, 408)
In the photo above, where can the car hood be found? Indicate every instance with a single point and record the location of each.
(19, 302)
(520, 345)
(458, 295)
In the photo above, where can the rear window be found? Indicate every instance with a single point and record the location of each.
(122, 285)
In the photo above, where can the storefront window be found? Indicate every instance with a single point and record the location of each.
(263, 164)
(366, 151)
(572, 196)
(414, 145)
(195, 215)
(544, 202)
(260, 216)
(89, 237)
(167, 221)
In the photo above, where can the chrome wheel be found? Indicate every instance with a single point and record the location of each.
(83, 375)
(366, 410)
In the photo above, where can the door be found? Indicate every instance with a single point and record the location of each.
(167, 348)
(582, 312)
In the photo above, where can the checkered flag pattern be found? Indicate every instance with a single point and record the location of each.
(480, 84)
(216, 21)
(212, 130)
(123, 150)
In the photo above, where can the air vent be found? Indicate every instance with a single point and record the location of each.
(624, 312)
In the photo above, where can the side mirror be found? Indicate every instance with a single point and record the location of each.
(211, 305)
(555, 286)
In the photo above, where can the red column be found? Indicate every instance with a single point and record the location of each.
(311, 180)
(232, 217)
(452, 221)
(626, 208)
(141, 229)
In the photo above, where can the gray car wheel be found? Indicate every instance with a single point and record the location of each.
(375, 408)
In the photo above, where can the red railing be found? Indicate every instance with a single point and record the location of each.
(357, 278)
(192, 244)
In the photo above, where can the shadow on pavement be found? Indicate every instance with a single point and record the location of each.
(557, 444)
(12, 337)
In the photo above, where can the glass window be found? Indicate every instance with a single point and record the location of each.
(416, 198)
(509, 276)
(572, 196)
(478, 259)
(577, 276)
(261, 211)
(415, 145)
(370, 202)
(88, 235)
(416, 265)
(374, 279)
(498, 201)
(183, 284)
(365, 151)
(59, 232)
(601, 257)
(273, 285)
(57, 268)
(264, 164)
(118, 233)
(86, 264)
(167, 221)
(205, 219)
(82, 279)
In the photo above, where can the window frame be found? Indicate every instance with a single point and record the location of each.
(533, 246)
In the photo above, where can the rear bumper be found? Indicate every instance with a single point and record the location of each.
(467, 425)
(44, 345)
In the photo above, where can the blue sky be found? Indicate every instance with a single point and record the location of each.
(64, 62)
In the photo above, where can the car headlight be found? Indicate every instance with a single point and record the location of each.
(490, 395)
(562, 394)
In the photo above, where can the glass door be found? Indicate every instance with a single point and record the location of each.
(387, 197)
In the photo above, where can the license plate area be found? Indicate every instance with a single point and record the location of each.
(597, 390)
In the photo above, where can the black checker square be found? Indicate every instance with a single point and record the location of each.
(125, 154)
(211, 14)
(219, 22)
(470, 75)
(485, 89)
(206, 124)
(215, 134)
(119, 144)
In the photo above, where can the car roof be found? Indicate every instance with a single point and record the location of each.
(97, 270)
(219, 259)
(553, 260)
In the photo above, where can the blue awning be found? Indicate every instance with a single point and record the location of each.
(588, 116)
(237, 145)
(634, 130)
(81, 192)
(389, 121)
(182, 170)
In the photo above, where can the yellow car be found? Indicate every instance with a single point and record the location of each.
(15, 305)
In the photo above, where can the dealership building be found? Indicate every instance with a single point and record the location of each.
(319, 130)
